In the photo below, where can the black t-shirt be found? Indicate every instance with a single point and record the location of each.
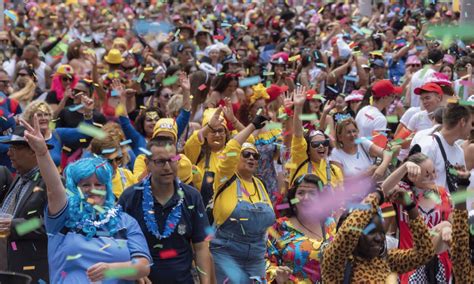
(190, 229)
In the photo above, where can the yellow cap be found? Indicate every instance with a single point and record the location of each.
(249, 146)
(207, 115)
(114, 57)
(166, 125)
(65, 70)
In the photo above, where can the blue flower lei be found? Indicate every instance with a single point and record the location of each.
(149, 214)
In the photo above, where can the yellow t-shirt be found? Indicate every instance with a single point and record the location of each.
(122, 179)
(299, 155)
(226, 202)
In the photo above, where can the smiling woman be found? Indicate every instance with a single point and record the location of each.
(83, 220)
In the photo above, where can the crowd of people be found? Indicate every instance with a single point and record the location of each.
(221, 142)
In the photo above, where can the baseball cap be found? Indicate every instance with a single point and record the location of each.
(429, 87)
(378, 63)
(385, 88)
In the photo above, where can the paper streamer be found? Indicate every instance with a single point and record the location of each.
(249, 81)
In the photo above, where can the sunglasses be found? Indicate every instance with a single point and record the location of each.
(167, 96)
(247, 154)
(66, 79)
(316, 144)
(116, 160)
(415, 65)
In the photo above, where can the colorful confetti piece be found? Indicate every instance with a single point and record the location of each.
(28, 226)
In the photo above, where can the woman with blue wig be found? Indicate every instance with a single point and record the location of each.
(89, 238)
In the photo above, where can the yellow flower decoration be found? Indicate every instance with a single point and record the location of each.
(259, 92)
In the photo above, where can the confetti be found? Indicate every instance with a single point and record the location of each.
(461, 196)
(170, 80)
(351, 78)
(294, 58)
(99, 192)
(392, 118)
(76, 107)
(13, 244)
(232, 154)
(28, 226)
(140, 77)
(73, 257)
(145, 151)
(294, 201)
(308, 117)
(108, 151)
(249, 81)
(31, 212)
(169, 253)
(92, 131)
(274, 125)
(369, 229)
(158, 246)
(104, 247)
(282, 206)
(202, 87)
(120, 273)
(99, 209)
(126, 142)
(29, 267)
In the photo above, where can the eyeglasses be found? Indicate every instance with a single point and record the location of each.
(162, 162)
(218, 131)
(66, 79)
(316, 144)
(247, 154)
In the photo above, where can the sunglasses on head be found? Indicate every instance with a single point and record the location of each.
(316, 144)
(247, 154)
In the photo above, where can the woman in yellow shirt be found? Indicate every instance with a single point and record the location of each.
(204, 148)
(242, 212)
(309, 153)
(110, 149)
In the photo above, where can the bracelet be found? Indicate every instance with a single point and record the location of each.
(381, 196)
(409, 206)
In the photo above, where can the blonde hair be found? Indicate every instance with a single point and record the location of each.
(341, 126)
(25, 94)
(33, 107)
(114, 132)
(175, 104)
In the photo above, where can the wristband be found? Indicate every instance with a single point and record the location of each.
(381, 196)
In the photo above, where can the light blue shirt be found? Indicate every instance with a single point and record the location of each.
(84, 253)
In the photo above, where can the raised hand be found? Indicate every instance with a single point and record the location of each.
(184, 81)
(299, 96)
(88, 103)
(288, 100)
(413, 171)
(228, 110)
(34, 137)
(216, 120)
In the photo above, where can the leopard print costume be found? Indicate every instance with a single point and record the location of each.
(376, 270)
(460, 254)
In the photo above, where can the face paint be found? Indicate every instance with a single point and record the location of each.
(152, 115)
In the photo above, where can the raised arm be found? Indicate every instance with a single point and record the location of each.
(410, 168)
(299, 97)
(55, 190)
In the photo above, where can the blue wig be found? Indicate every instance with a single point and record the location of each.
(82, 214)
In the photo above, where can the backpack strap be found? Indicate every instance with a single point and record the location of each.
(297, 170)
(441, 148)
(225, 185)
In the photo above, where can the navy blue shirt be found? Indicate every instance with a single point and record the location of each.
(190, 229)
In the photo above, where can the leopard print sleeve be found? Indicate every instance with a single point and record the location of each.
(460, 257)
(404, 260)
(345, 241)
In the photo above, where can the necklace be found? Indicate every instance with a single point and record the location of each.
(149, 214)
(307, 229)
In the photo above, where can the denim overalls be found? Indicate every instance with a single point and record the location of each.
(240, 243)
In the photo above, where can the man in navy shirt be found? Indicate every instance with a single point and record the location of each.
(171, 214)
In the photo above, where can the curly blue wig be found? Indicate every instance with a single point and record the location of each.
(82, 214)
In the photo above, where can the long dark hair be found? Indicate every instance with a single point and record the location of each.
(140, 120)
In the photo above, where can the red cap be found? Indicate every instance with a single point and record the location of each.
(429, 87)
(385, 88)
(274, 91)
